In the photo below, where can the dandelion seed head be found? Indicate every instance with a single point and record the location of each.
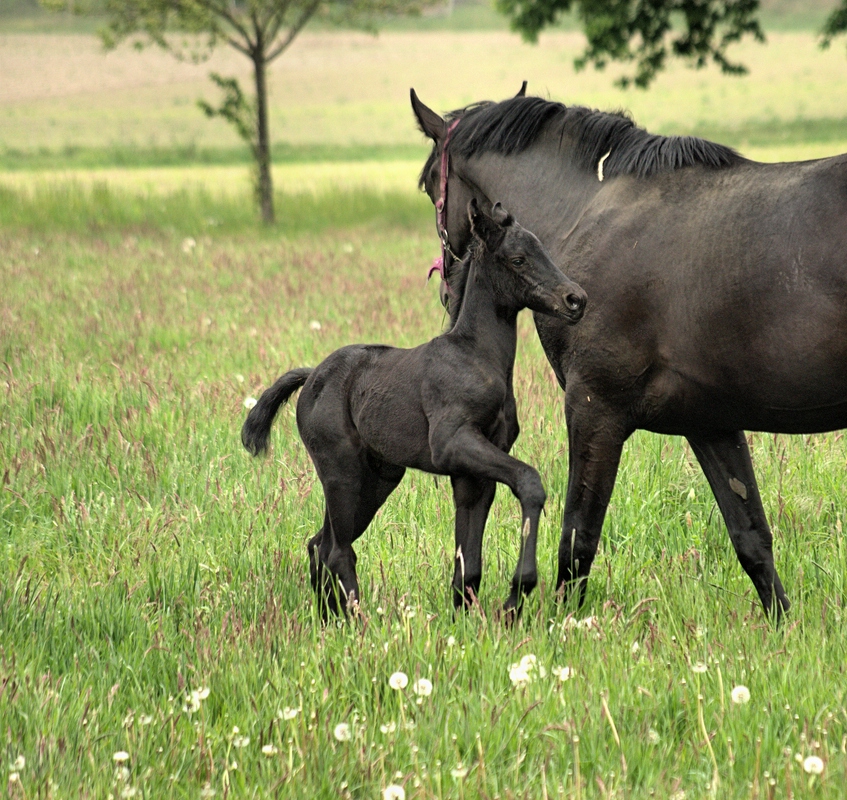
(250, 402)
(398, 681)
(653, 736)
(459, 772)
(19, 763)
(269, 750)
(422, 687)
(288, 713)
(393, 792)
(342, 732)
(564, 673)
(314, 325)
(120, 756)
(813, 765)
(740, 695)
(699, 668)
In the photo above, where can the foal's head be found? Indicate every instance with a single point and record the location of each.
(518, 267)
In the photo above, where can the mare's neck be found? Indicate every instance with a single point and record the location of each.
(486, 323)
(542, 187)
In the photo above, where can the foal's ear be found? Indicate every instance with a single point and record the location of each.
(522, 90)
(501, 216)
(430, 123)
(483, 227)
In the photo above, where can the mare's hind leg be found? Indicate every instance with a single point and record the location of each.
(595, 443)
(351, 504)
(473, 499)
(725, 458)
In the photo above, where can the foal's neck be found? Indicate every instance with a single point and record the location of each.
(486, 321)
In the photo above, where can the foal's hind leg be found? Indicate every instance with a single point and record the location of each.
(725, 458)
(313, 547)
(351, 504)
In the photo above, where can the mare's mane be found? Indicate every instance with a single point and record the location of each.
(511, 126)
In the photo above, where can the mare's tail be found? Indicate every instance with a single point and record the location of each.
(257, 426)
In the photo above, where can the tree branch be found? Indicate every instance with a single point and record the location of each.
(294, 30)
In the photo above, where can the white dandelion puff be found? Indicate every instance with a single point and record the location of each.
(813, 765)
(564, 673)
(269, 750)
(120, 756)
(398, 681)
(699, 668)
(314, 325)
(422, 687)
(250, 402)
(740, 695)
(342, 732)
(393, 792)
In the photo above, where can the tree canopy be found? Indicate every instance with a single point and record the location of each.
(647, 33)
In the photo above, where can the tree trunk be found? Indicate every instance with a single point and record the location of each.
(264, 181)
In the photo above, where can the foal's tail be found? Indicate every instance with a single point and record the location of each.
(257, 426)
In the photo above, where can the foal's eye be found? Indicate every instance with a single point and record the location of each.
(518, 262)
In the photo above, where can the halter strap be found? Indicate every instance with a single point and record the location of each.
(441, 207)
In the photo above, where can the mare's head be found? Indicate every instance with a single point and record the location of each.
(516, 266)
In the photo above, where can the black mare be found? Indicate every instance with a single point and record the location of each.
(718, 291)
(367, 412)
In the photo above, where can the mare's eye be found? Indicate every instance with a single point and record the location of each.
(518, 262)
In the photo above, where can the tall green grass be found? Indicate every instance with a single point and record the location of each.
(145, 556)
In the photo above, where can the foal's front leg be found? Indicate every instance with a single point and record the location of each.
(472, 498)
(465, 451)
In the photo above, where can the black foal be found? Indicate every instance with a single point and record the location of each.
(367, 412)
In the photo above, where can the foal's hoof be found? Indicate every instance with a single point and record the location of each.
(511, 612)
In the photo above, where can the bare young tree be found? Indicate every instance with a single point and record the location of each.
(259, 29)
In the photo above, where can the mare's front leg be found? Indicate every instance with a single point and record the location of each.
(465, 451)
(725, 459)
(595, 439)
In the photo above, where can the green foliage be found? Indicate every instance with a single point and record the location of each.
(648, 32)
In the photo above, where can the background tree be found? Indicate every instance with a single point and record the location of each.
(260, 29)
(647, 32)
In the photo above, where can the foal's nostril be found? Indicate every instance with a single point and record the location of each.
(575, 303)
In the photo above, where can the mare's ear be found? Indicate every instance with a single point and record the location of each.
(430, 123)
(522, 91)
(483, 227)
(501, 216)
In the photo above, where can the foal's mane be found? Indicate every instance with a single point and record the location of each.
(511, 126)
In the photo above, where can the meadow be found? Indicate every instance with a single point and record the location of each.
(157, 631)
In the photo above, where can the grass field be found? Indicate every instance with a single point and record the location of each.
(157, 634)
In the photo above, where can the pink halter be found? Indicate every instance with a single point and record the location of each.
(441, 207)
